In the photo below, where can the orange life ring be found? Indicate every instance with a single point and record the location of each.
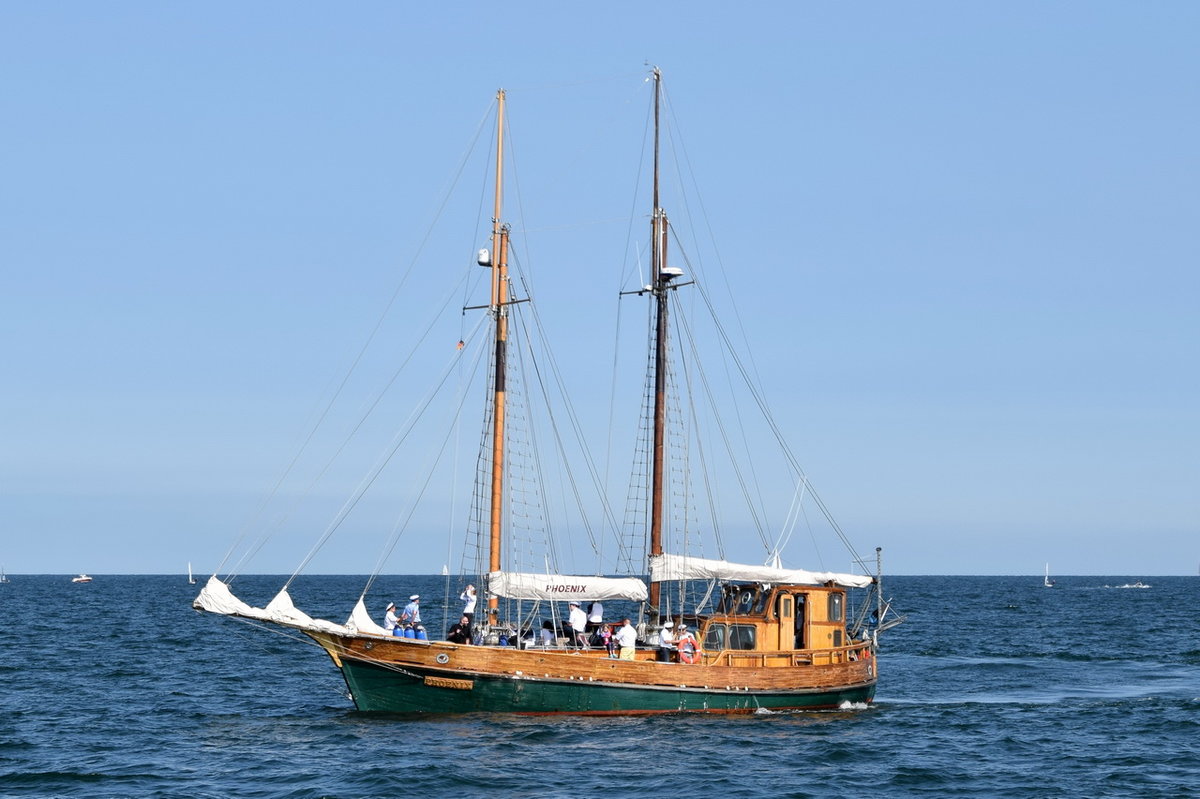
(689, 655)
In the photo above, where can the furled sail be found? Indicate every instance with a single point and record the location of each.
(362, 622)
(216, 597)
(681, 567)
(514, 585)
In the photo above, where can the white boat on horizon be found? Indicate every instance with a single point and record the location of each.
(1047, 581)
(83, 578)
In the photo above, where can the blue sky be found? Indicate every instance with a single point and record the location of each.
(964, 238)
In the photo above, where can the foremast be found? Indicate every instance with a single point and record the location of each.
(499, 310)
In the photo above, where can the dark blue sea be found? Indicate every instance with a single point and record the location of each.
(994, 687)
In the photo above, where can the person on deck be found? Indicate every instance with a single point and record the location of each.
(411, 617)
(549, 637)
(689, 647)
(604, 636)
(626, 638)
(577, 620)
(595, 615)
(666, 642)
(391, 622)
(469, 598)
(460, 633)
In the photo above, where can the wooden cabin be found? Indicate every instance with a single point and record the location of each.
(794, 623)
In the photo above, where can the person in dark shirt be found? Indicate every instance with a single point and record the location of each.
(460, 633)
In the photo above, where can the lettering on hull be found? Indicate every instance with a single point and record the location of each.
(446, 682)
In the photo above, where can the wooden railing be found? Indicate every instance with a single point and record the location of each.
(788, 657)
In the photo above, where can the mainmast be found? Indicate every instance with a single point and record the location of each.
(499, 265)
(661, 279)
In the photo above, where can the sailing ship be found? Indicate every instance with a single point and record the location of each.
(769, 637)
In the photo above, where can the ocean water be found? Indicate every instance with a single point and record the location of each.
(995, 686)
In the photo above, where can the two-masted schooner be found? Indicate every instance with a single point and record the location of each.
(769, 637)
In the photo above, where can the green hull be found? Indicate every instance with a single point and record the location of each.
(378, 689)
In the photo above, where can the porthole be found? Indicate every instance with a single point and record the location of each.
(442, 658)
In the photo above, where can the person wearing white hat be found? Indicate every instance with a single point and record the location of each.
(391, 622)
(412, 611)
(577, 620)
(689, 647)
(666, 642)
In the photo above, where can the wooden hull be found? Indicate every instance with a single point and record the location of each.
(406, 676)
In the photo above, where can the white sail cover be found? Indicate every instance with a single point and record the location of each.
(515, 585)
(361, 621)
(216, 597)
(681, 567)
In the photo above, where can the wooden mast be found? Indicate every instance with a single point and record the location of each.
(499, 310)
(659, 281)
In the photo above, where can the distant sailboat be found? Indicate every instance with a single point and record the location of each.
(445, 570)
(191, 579)
(3, 576)
(1048, 582)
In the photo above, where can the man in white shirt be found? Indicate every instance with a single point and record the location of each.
(666, 642)
(626, 639)
(390, 619)
(577, 620)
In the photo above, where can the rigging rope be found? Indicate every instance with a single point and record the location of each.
(354, 363)
(373, 474)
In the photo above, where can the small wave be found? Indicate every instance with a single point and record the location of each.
(854, 706)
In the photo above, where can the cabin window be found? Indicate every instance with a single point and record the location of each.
(835, 607)
(785, 606)
(714, 639)
(741, 636)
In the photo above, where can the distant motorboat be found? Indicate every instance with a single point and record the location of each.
(83, 578)
(1048, 582)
